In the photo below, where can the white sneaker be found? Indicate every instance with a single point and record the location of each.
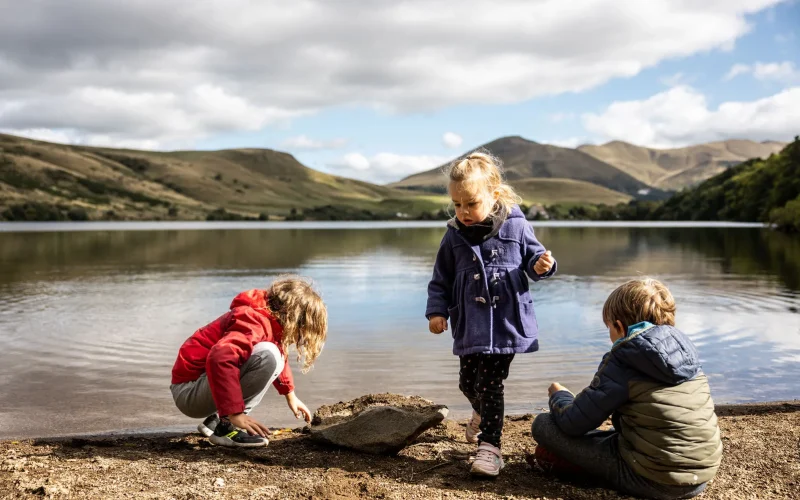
(207, 426)
(473, 428)
(488, 461)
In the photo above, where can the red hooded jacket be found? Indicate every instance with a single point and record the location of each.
(221, 347)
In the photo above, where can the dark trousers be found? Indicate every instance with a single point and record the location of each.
(481, 379)
(597, 453)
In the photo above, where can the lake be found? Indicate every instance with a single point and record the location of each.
(92, 315)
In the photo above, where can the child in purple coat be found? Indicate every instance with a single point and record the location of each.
(480, 283)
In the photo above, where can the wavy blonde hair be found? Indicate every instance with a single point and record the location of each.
(480, 171)
(302, 315)
(638, 300)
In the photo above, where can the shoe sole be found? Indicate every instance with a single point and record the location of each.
(481, 473)
(228, 443)
(202, 429)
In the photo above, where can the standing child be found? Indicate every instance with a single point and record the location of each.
(480, 282)
(224, 369)
(665, 443)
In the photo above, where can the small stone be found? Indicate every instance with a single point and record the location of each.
(219, 483)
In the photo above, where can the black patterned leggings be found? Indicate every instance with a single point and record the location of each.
(481, 380)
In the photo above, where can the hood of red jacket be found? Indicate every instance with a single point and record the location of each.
(251, 298)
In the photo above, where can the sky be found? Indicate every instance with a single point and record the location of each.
(378, 90)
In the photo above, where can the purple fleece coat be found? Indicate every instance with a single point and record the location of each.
(483, 289)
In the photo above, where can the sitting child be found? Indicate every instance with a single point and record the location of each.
(665, 442)
(224, 369)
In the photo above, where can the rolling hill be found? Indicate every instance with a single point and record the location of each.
(526, 160)
(675, 169)
(128, 184)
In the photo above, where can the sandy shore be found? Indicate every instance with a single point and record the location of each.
(762, 460)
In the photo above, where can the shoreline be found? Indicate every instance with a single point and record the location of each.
(727, 410)
(761, 460)
(67, 226)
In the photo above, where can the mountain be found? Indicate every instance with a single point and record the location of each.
(128, 184)
(754, 191)
(674, 169)
(526, 160)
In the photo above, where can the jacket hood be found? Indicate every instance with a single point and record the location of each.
(251, 298)
(663, 353)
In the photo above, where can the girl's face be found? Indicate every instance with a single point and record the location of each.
(471, 208)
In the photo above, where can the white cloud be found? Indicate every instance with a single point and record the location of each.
(784, 72)
(681, 116)
(384, 167)
(569, 142)
(305, 143)
(736, 70)
(452, 140)
(561, 117)
(150, 73)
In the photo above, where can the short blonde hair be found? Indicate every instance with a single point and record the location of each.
(640, 300)
(302, 315)
(480, 171)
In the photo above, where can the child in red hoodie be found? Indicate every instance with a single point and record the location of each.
(225, 367)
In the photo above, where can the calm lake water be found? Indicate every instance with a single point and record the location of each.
(91, 320)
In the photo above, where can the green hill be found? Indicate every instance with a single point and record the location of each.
(61, 181)
(525, 160)
(757, 190)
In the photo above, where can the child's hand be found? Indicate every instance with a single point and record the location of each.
(298, 408)
(249, 424)
(554, 388)
(544, 264)
(437, 324)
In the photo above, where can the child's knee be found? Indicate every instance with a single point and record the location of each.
(541, 426)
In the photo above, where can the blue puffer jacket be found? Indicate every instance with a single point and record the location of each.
(652, 385)
(484, 291)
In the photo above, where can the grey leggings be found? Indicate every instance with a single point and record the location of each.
(263, 366)
(597, 452)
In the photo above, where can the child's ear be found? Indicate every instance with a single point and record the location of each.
(621, 327)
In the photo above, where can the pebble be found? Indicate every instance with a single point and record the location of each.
(219, 483)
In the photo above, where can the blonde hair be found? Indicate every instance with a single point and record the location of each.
(640, 300)
(302, 315)
(480, 171)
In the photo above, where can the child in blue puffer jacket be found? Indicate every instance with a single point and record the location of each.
(480, 282)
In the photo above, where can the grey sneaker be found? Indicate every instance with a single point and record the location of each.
(207, 426)
(488, 461)
(226, 434)
(473, 428)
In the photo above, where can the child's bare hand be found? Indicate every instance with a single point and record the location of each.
(554, 388)
(299, 409)
(437, 324)
(544, 264)
(249, 424)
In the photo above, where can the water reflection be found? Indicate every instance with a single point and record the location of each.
(91, 321)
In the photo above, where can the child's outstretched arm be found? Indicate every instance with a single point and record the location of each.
(539, 263)
(577, 415)
(440, 287)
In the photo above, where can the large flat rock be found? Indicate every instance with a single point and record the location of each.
(376, 423)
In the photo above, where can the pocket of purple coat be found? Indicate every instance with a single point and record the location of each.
(527, 317)
(455, 319)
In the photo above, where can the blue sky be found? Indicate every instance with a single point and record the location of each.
(373, 95)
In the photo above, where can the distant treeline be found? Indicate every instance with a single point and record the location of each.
(757, 190)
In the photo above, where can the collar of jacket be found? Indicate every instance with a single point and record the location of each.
(634, 330)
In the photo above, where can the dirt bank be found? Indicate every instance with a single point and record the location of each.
(762, 460)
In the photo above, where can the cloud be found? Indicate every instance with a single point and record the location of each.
(304, 143)
(561, 117)
(784, 72)
(384, 167)
(452, 140)
(681, 116)
(569, 142)
(142, 71)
